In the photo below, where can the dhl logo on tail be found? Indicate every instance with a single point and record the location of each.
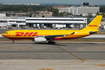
(93, 26)
(26, 34)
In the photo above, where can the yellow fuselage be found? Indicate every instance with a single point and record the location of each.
(30, 34)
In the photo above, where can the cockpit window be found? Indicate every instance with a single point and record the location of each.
(6, 33)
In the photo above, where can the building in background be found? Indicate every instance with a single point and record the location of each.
(102, 26)
(16, 22)
(82, 10)
(2, 15)
(12, 22)
(43, 22)
(59, 7)
(42, 14)
(85, 3)
(3, 22)
(31, 14)
(19, 4)
(56, 22)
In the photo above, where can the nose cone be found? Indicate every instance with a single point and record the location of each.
(3, 35)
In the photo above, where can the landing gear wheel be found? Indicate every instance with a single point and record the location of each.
(13, 41)
(51, 42)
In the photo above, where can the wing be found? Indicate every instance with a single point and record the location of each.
(54, 36)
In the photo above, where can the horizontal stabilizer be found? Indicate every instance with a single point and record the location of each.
(91, 32)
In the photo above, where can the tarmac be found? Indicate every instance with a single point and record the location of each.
(26, 55)
(37, 64)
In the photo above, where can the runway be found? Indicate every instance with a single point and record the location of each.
(72, 50)
(26, 55)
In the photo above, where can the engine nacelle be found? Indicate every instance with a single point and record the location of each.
(40, 39)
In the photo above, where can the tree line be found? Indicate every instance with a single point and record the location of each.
(22, 8)
(33, 8)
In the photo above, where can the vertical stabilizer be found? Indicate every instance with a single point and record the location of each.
(94, 24)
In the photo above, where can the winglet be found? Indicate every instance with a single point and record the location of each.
(72, 33)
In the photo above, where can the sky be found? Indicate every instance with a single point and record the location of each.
(91, 2)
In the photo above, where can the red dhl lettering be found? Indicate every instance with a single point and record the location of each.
(93, 26)
(26, 34)
(19, 33)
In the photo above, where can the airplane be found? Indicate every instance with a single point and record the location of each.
(40, 36)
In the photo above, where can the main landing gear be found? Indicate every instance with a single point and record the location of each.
(51, 41)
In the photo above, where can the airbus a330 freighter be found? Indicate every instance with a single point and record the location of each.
(39, 36)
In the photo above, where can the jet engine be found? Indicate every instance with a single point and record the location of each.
(40, 40)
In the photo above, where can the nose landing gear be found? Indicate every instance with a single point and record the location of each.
(13, 41)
